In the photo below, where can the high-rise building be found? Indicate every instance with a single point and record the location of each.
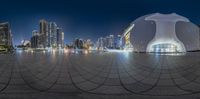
(43, 27)
(110, 41)
(5, 34)
(118, 42)
(78, 43)
(101, 43)
(52, 36)
(35, 39)
(35, 32)
(49, 35)
(43, 38)
(60, 38)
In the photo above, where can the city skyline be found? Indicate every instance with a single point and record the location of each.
(100, 49)
(78, 20)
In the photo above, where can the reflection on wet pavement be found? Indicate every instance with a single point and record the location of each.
(110, 75)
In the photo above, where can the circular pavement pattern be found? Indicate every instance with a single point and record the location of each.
(101, 75)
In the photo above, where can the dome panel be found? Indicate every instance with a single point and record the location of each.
(185, 37)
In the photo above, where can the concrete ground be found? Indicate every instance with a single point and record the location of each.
(99, 75)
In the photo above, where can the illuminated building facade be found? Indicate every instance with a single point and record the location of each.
(162, 33)
(5, 34)
(165, 39)
(118, 42)
(49, 36)
(100, 43)
(60, 38)
(6, 44)
(52, 42)
(125, 38)
(109, 42)
(35, 39)
(43, 32)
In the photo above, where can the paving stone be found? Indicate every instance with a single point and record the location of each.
(99, 76)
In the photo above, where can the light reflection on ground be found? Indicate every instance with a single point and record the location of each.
(84, 74)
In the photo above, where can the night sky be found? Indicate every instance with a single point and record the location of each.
(88, 18)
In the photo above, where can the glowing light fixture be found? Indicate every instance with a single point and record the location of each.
(86, 51)
(66, 51)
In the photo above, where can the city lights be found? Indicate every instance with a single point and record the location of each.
(106, 49)
(66, 50)
(86, 51)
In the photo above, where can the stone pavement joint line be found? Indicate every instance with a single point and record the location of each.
(99, 75)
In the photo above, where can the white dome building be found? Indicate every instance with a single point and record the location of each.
(162, 33)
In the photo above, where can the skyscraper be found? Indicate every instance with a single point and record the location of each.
(35, 39)
(52, 36)
(111, 41)
(5, 34)
(43, 38)
(118, 42)
(43, 27)
(49, 35)
(5, 38)
(35, 32)
(60, 38)
(101, 43)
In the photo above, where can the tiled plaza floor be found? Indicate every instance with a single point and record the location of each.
(96, 75)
